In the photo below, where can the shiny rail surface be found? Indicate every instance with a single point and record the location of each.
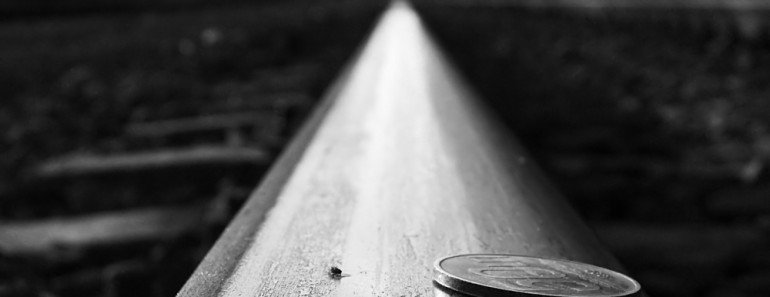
(400, 165)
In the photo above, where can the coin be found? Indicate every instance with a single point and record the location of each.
(512, 275)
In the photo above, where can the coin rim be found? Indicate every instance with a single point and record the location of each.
(471, 287)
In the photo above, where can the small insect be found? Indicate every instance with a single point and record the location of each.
(335, 272)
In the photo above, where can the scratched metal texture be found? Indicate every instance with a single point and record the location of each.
(400, 166)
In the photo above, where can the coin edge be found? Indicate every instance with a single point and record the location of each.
(473, 288)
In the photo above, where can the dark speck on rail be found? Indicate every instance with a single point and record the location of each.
(335, 272)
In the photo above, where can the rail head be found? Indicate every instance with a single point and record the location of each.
(399, 166)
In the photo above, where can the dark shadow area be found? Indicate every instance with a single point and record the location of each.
(653, 123)
(134, 130)
(40, 9)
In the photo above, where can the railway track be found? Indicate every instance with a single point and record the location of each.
(398, 166)
(340, 219)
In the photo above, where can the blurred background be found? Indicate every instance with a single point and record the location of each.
(133, 130)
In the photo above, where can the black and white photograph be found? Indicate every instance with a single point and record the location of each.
(406, 148)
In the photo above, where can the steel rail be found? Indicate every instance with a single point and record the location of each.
(400, 165)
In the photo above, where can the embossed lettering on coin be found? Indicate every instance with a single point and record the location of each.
(478, 274)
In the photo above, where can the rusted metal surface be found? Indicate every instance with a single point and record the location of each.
(401, 165)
